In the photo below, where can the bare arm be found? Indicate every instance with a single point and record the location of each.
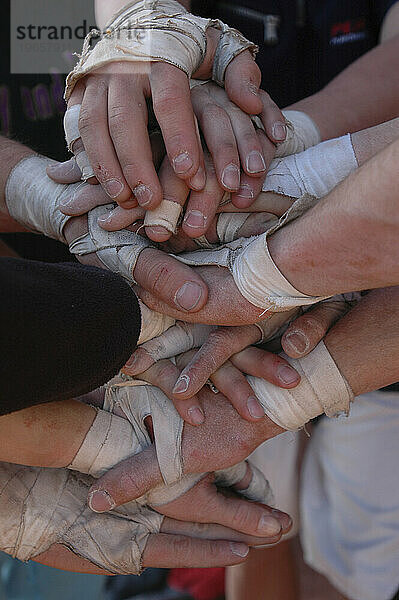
(361, 250)
(364, 94)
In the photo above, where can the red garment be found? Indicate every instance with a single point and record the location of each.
(202, 584)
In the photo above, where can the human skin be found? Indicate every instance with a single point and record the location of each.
(318, 259)
(129, 166)
(363, 344)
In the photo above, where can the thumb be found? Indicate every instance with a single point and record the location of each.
(127, 481)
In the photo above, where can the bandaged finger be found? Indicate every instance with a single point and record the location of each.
(72, 135)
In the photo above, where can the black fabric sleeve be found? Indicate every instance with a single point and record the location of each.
(65, 329)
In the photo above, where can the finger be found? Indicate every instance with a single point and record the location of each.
(219, 347)
(93, 126)
(242, 83)
(249, 143)
(174, 551)
(272, 119)
(127, 120)
(256, 224)
(233, 516)
(162, 222)
(266, 365)
(84, 198)
(225, 305)
(268, 202)
(173, 109)
(251, 187)
(120, 218)
(220, 140)
(202, 206)
(303, 334)
(175, 340)
(232, 383)
(128, 480)
(164, 374)
(172, 282)
(65, 172)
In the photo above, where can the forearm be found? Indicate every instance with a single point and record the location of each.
(365, 343)
(364, 94)
(46, 435)
(348, 241)
(105, 9)
(368, 142)
(11, 153)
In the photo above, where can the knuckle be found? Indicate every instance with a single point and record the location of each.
(182, 546)
(241, 517)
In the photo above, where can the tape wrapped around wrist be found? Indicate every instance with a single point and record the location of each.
(322, 389)
(33, 199)
(157, 31)
(254, 271)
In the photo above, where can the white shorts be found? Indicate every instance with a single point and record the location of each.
(349, 499)
(277, 459)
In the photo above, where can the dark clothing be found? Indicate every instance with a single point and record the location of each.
(65, 330)
(315, 39)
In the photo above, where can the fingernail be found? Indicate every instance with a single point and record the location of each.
(287, 374)
(181, 384)
(188, 296)
(197, 417)
(199, 180)
(268, 526)
(195, 219)
(231, 177)
(279, 131)
(254, 408)
(255, 162)
(182, 163)
(239, 549)
(246, 192)
(100, 501)
(143, 194)
(297, 341)
(113, 187)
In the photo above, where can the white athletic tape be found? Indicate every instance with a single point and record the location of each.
(153, 324)
(71, 125)
(316, 171)
(33, 199)
(177, 339)
(119, 251)
(302, 133)
(110, 440)
(258, 490)
(228, 225)
(254, 271)
(157, 31)
(231, 44)
(42, 507)
(166, 215)
(322, 389)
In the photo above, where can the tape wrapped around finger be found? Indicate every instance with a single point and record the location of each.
(302, 132)
(166, 215)
(231, 44)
